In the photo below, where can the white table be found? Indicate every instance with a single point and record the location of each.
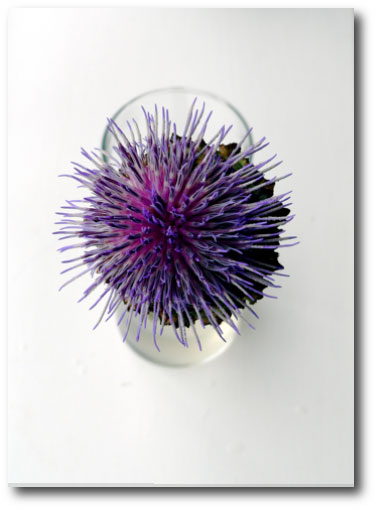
(277, 407)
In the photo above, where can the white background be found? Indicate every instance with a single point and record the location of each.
(364, 495)
(277, 409)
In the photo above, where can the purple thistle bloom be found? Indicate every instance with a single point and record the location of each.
(184, 229)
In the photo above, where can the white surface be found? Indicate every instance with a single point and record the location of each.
(277, 407)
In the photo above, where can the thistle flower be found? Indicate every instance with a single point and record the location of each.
(175, 226)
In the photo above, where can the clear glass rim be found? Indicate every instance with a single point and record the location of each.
(187, 364)
(184, 362)
(192, 90)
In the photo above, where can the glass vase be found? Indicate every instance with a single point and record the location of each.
(178, 101)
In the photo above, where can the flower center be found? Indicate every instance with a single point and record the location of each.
(170, 225)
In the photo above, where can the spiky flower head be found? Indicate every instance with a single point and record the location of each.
(176, 226)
